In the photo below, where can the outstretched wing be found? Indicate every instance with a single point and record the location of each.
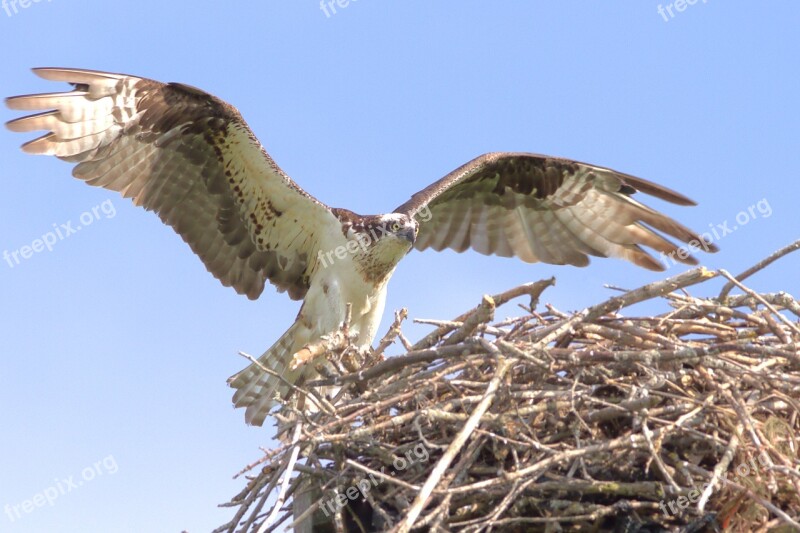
(192, 159)
(541, 208)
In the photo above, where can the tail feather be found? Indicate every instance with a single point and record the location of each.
(259, 391)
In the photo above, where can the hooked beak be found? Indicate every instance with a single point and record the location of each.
(410, 234)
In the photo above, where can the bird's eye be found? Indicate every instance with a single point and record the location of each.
(395, 227)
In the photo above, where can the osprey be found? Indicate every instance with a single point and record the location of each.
(192, 159)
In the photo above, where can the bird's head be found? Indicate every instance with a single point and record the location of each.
(399, 227)
(382, 241)
(393, 233)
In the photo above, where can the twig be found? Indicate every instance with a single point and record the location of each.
(298, 429)
(786, 250)
(758, 297)
(394, 331)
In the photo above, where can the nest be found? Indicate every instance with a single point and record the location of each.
(589, 421)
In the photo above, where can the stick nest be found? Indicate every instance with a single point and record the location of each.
(589, 421)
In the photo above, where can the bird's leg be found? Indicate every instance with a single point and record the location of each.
(348, 314)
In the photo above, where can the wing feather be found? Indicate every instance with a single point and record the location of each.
(537, 232)
(192, 159)
(521, 246)
(460, 238)
(542, 208)
(570, 249)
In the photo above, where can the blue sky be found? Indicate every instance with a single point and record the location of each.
(115, 346)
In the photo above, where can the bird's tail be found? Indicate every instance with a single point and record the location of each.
(259, 391)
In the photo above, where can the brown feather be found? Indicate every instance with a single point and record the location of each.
(191, 158)
(548, 209)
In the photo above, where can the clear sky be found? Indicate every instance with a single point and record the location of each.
(115, 346)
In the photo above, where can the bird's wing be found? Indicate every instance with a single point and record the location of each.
(192, 159)
(541, 208)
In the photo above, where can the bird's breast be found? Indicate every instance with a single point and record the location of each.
(330, 292)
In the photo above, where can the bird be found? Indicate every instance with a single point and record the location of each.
(192, 159)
